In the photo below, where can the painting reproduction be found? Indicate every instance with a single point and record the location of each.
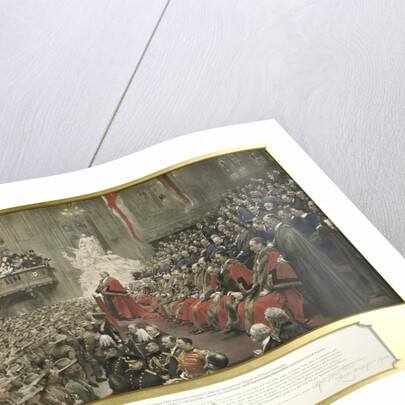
(182, 275)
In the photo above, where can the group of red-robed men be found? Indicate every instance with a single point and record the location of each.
(223, 294)
(117, 304)
(300, 257)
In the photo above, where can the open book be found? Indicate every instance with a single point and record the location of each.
(220, 267)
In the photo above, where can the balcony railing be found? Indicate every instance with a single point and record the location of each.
(27, 279)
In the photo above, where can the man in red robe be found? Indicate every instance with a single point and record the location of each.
(118, 301)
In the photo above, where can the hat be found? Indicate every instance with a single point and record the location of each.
(27, 393)
(55, 339)
(6, 380)
(63, 363)
(14, 370)
(128, 358)
(33, 378)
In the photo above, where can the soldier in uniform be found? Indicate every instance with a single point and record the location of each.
(60, 349)
(30, 395)
(8, 396)
(137, 375)
(162, 363)
(72, 376)
(113, 361)
(92, 350)
(87, 363)
(31, 351)
(191, 360)
(55, 393)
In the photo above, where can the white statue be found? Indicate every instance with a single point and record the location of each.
(116, 266)
(91, 244)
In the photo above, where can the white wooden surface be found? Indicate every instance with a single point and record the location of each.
(84, 82)
(64, 66)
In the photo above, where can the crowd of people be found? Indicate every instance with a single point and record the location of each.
(265, 262)
(34, 343)
(265, 245)
(11, 262)
(60, 354)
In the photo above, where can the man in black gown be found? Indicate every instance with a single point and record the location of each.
(331, 292)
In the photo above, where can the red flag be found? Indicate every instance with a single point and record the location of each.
(118, 208)
(183, 197)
